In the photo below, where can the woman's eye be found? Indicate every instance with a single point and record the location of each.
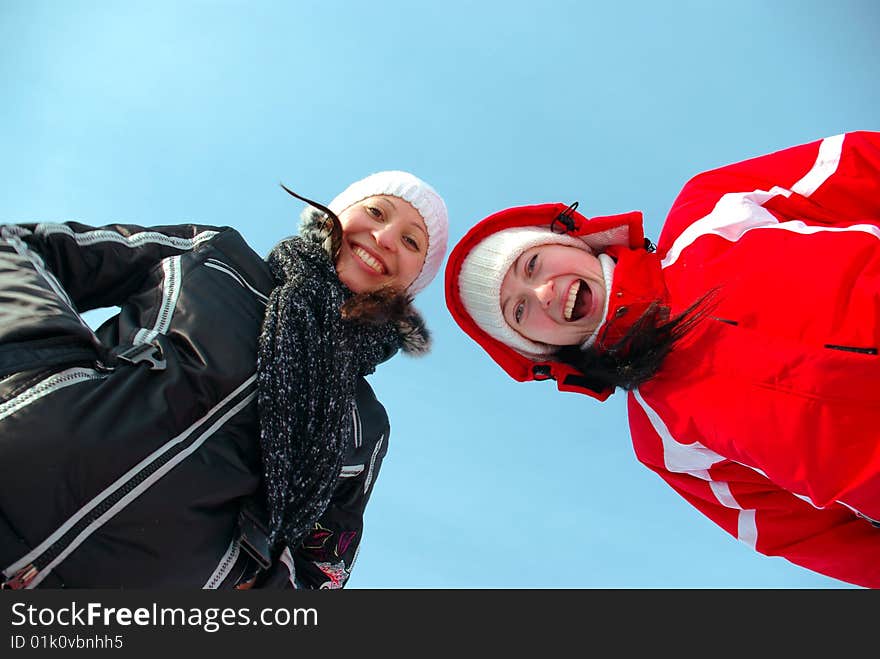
(412, 243)
(375, 212)
(530, 266)
(518, 312)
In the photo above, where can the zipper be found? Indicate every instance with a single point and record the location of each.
(55, 380)
(225, 567)
(184, 444)
(29, 572)
(171, 283)
(20, 579)
(172, 277)
(29, 379)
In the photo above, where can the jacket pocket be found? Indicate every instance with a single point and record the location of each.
(856, 349)
(51, 353)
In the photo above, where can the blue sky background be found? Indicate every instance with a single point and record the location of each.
(192, 111)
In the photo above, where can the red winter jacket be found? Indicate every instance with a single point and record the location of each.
(766, 417)
(769, 422)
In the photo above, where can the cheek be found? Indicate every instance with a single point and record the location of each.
(353, 221)
(343, 265)
(411, 265)
(348, 274)
(538, 325)
(348, 226)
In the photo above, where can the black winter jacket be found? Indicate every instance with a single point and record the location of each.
(130, 454)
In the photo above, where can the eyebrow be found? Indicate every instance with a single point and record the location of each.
(422, 229)
(504, 308)
(514, 267)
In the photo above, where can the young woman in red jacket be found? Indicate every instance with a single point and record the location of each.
(747, 341)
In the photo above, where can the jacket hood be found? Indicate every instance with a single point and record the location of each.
(603, 233)
(410, 324)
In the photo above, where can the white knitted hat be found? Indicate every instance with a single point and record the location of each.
(423, 198)
(485, 267)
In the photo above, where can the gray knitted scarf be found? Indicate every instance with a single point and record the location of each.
(308, 361)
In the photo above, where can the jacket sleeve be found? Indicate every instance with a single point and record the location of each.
(745, 503)
(831, 182)
(101, 266)
(326, 557)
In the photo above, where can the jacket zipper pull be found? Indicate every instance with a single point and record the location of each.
(22, 578)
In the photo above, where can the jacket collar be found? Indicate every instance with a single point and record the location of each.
(638, 282)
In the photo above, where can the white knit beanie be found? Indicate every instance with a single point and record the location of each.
(485, 267)
(423, 198)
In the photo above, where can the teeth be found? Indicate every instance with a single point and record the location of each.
(572, 298)
(364, 256)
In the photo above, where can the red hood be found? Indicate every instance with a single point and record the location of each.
(615, 231)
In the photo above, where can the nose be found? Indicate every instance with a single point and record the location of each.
(545, 293)
(385, 237)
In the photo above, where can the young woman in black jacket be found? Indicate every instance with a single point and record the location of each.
(218, 432)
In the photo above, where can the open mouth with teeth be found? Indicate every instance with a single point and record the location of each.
(369, 260)
(578, 301)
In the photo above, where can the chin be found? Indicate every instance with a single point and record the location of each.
(357, 287)
(352, 284)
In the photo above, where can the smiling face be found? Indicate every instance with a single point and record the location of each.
(384, 243)
(554, 294)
